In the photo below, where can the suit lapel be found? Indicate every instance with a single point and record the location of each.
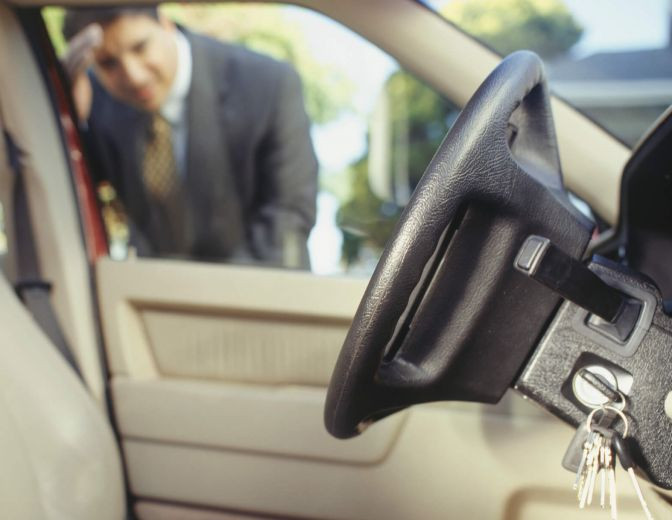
(215, 201)
(131, 137)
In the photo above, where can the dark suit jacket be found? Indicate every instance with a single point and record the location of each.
(251, 179)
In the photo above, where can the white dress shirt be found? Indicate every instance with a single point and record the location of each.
(174, 109)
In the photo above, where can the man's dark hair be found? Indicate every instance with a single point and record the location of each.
(76, 18)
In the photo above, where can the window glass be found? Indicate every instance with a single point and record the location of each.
(611, 59)
(370, 141)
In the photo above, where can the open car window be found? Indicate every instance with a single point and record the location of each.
(325, 201)
(610, 60)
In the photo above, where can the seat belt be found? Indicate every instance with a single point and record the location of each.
(31, 288)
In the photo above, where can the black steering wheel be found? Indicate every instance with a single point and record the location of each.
(445, 315)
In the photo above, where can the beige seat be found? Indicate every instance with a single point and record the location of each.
(59, 457)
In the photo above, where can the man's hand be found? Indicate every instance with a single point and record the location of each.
(76, 60)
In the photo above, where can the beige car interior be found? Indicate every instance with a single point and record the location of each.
(218, 373)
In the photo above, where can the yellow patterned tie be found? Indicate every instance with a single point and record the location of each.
(159, 168)
(170, 233)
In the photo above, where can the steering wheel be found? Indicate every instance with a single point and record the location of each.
(445, 315)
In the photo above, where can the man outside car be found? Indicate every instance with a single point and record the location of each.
(206, 143)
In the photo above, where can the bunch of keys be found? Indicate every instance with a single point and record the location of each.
(598, 458)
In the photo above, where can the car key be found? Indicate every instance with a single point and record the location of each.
(591, 466)
(584, 482)
(598, 457)
(601, 471)
(588, 440)
(574, 457)
(623, 452)
(593, 470)
(608, 472)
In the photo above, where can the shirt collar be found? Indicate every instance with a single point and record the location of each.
(174, 106)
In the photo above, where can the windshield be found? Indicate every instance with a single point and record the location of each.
(611, 59)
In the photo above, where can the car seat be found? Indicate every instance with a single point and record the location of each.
(59, 457)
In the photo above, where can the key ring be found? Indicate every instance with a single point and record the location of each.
(618, 411)
(621, 402)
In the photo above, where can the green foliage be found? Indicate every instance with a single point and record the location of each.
(418, 119)
(364, 219)
(544, 26)
(53, 19)
(269, 30)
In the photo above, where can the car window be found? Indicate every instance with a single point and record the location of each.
(373, 128)
(611, 59)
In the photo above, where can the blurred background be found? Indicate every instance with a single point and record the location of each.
(376, 127)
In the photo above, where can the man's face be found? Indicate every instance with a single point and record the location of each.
(137, 60)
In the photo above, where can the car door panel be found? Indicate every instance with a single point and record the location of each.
(223, 322)
(435, 469)
(243, 346)
(230, 424)
(231, 416)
